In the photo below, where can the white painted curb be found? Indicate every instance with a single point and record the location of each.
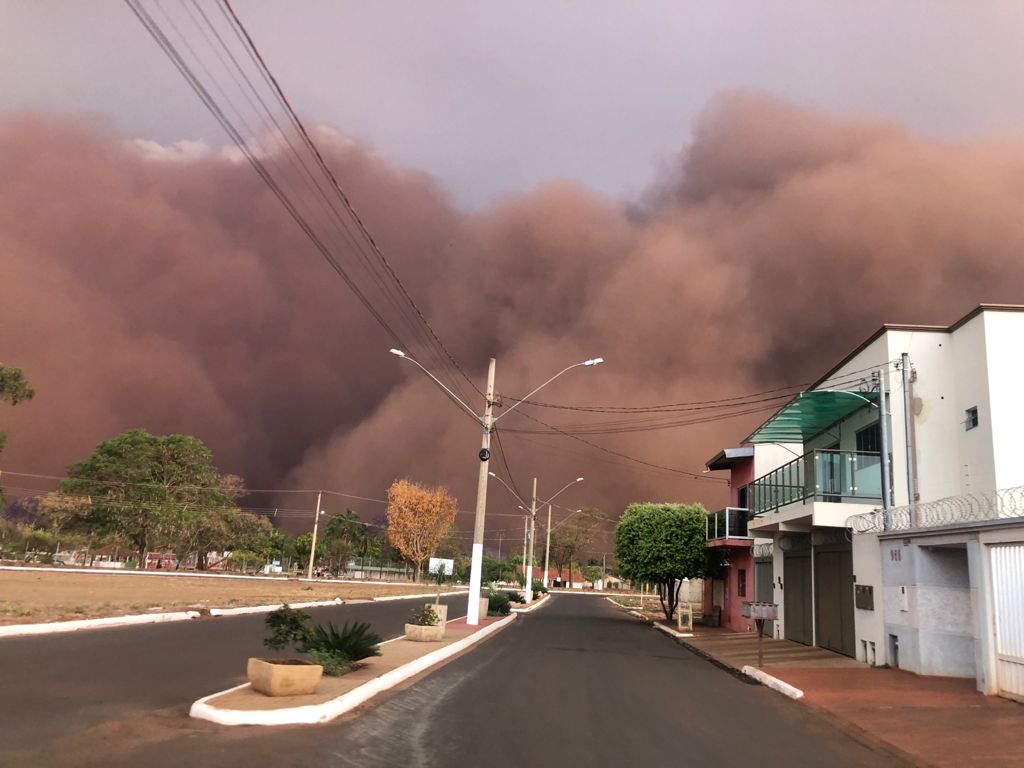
(773, 682)
(320, 713)
(55, 627)
(386, 598)
(533, 606)
(156, 573)
(672, 632)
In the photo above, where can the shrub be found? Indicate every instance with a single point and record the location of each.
(498, 604)
(286, 626)
(334, 665)
(515, 597)
(334, 649)
(538, 586)
(353, 642)
(425, 616)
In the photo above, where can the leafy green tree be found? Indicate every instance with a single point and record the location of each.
(592, 573)
(152, 491)
(662, 544)
(14, 389)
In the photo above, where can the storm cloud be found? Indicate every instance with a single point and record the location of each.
(167, 289)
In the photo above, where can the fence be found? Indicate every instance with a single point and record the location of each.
(953, 510)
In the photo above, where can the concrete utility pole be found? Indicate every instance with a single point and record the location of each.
(526, 535)
(883, 422)
(908, 428)
(547, 550)
(500, 534)
(529, 565)
(316, 523)
(477, 563)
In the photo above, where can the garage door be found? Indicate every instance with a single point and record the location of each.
(763, 592)
(833, 596)
(1007, 579)
(796, 590)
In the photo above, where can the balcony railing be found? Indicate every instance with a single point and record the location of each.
(728, 523)
(838, 476)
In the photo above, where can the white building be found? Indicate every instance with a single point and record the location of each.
(912, 591)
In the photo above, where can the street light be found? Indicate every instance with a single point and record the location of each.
(487, 420)
(528, 560)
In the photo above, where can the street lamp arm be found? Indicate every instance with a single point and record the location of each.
(437, 381)
(508, 487)
(592, 361)
(567, 485)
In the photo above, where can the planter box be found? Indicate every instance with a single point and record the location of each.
(484, 602)
(430, 633)
(283, 678)
(442, 612)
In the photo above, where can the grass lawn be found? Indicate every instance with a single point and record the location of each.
(29, 597)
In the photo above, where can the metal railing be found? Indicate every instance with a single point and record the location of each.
(837, 476)
(728, 523)
(950, 511)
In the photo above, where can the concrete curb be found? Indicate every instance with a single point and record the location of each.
(56, 627)
(671, 632)
(781, 686)
(156, 573)
(533, 606)
(320, 713)
(386, 598)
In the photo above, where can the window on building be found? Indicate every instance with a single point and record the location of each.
(972, 418)
(741, 583)
(869, 439)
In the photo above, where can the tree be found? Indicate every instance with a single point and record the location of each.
(419, 517)
(14, 389)
(344, 536)
(592, 573)
(662, 544)
(570, 538)
(152, 491)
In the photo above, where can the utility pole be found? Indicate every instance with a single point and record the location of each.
(526, 533)
(533, 523)
(908, 428)
(883, 422)
(312, 546)
(500, 534)
(476, 567)
(547, 549)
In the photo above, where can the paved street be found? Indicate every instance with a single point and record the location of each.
(576, 683)
(56, 686)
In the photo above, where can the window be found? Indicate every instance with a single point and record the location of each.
(741, 585)
(972, 418)
(869, 439)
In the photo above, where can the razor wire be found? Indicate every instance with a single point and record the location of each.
(952, 510)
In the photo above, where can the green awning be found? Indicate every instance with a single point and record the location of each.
(809, 414)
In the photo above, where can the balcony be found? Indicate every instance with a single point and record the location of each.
(841, 477)
(728, 523)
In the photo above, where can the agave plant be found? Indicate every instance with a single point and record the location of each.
(353, 642)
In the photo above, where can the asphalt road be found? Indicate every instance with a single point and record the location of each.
(53, 687)
(576, 683)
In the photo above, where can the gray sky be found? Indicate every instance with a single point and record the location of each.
(495, 98)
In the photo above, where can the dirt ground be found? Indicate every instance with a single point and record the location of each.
(29, 597)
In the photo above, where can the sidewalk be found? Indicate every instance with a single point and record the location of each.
(930, 721)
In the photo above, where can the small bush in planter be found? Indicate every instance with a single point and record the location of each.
(336, 650)
(425, 617)
(498, 604)
(515, 597)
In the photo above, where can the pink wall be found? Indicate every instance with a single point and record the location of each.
(740, 475)
(740, 558)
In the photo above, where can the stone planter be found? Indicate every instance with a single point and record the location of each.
(288, 677)
(420, 633)
(441, 610)
(484, 602)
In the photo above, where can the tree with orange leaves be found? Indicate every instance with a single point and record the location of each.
(419, 517)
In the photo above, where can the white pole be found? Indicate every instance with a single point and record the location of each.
(476, 567)
(526, 533)
(312, 546)
(529, 562)
(547, 550)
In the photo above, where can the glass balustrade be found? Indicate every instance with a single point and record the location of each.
(836, 476)
(728, 523)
